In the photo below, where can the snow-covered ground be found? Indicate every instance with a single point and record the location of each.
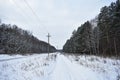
(32, 67)
(105, 68)
(60, 67)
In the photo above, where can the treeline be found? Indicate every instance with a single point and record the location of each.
(100, 36)
(15, 40)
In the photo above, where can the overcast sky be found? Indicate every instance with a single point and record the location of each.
(58, 17)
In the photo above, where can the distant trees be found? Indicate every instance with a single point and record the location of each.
(81, 41)
(15, 40)
(101, 36)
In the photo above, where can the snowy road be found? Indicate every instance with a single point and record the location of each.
(40, 67)
(66, 70)
(11, 59)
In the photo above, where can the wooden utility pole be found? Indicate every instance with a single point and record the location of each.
(48, 43)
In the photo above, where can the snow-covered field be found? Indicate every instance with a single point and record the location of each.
(32, 67)
(105, 68)
(60, 67)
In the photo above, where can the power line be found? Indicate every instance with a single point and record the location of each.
(37, 18)
(20, 8)
(48, 43)
(34, 13)
(23, 14)
(31, 9)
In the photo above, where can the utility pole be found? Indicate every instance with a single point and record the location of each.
(48, 43)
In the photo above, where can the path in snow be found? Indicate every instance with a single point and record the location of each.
(66, 70)
(40, 67)
(11, 59)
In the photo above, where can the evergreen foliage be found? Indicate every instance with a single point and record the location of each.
(100, 39)
(15, 40)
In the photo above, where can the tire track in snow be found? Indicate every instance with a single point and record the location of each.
(61, 70)
(71, 76)
(11, 59)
